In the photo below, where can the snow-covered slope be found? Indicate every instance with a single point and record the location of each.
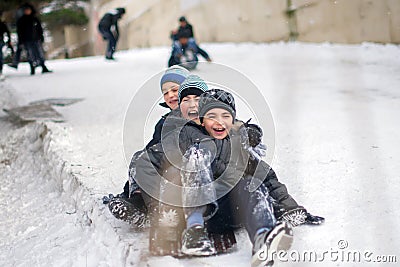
(335, 110)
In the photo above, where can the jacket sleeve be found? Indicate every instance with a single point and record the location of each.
(278, 191)
(20, 30)
(157, 133)
(39, 30)
(115, 23)
(190, 28)
(145, 170)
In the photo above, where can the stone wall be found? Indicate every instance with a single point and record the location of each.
(148, 23)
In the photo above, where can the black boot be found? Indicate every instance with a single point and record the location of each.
(32, 69)
(45, 69)
(131, 210)
(268, 243)
(195, 242)
(13, 65)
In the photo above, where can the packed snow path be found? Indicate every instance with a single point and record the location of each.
(335, 109)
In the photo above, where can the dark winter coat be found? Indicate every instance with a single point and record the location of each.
(188, 29)
(157, 131)
(29, 29)
(110, 19)
(158, 128)
(229, 159)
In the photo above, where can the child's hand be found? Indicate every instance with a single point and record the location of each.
(254, 132)
(299, 216)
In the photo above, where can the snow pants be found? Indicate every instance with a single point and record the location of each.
(241, 208)
(192, 43)
(17, 56)
(35, 53)
(112, 41)
(238, 208)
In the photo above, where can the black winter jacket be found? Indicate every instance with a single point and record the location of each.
(187, 29)
(29, 29)
(229, 160)
(110, 19)
(158, 128)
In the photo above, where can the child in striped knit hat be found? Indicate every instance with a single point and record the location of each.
(180, 89)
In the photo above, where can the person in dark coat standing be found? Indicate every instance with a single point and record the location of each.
(3, 30)
(17, 56)
(30, 34)
(109, 20)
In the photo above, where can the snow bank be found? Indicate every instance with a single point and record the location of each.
(40, 179)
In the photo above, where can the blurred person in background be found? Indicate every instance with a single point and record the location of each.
(183, 52)
(30, 35)
(185, 26)
(3, 31)
(17, 56)
(108, 28)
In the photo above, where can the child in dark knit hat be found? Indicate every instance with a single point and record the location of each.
(221, 204)
(235, 204)
(252, 210)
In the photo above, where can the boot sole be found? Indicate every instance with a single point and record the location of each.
(280, 238)
(199, 251)
(125, 211)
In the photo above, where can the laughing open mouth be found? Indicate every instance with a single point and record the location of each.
(219, 130)
(193, 114)
(173, 101)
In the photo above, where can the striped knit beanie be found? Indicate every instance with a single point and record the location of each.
(193, 85)
(175, 74)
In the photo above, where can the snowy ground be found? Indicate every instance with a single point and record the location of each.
(335, 109)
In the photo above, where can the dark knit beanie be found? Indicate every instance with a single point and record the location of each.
(216, 98)
(121, 10)
(193, 85)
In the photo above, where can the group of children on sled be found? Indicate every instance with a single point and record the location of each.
(192, 183)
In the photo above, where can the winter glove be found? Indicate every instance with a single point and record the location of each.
(294, 217)
(107, 199)
(251, 137)
(254, 132)
(313, 219)
(299, 216)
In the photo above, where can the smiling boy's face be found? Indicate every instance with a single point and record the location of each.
(190, 108)
(170, 93)
(218, 122)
